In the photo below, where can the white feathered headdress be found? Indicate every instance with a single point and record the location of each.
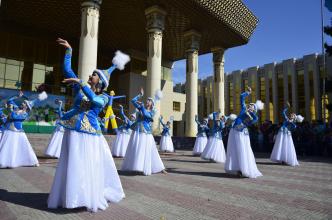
(299, 118)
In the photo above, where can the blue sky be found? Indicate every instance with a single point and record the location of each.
(286, 29)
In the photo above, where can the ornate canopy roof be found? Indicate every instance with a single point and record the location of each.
(221, 23)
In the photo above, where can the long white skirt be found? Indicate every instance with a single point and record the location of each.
(214, 150)
(120, 145)
(54, 147)
(16, 150)
(166, 144)
(284, 150)
(86, 175)
(142, 154)
(240, 156)
(200, 145)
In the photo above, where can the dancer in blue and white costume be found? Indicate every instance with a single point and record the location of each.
(3, 119)
(201, 137)
(142, 154)
(166, 143)
(120, 145)
(54, 147)
(283, 149)
(240, 158)
(86, 175)
(214, 149)
(15, 148)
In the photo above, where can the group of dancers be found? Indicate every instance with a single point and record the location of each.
(86, 175)
(240, 159)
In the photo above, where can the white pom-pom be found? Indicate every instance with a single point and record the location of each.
(232, 117)
(158, 95)
(259, 105)
(120, 60)
(42, 96)
(299, 118)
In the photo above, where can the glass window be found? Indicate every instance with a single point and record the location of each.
(176, 106)
(12, 76)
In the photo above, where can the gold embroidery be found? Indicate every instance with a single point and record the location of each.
(86, 126)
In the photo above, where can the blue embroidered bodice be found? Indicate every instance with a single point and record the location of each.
(83, 116)
(15, 120)
(245, 118)
(144, 117)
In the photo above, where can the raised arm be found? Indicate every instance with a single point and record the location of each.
(119, 97)
(126, 119)
(254, 118)
(243, 100)
(284, 114)
(134, 101)
(161, 122)
(196, 120)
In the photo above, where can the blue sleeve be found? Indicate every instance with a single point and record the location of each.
(254, 118)
(123, 115)
(196, 120)
(243, 101)
(97, 100)
(293, 125)
(60, 113)
(134, 102)
(214, 114)
(284, 114)
(67, 115)
(161, 122)
(67, 70)
(119, 97)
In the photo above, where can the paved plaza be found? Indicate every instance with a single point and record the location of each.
(193, 189)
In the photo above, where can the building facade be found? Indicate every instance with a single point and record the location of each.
(154, 33)
(298, 82)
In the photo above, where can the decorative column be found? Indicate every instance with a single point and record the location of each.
(227, 98)
(155, 20)
(219, 90)
(289, 69)
(316, 88)
(89, 38)
(192, 44)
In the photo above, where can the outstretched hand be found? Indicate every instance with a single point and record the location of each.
(63, 43)
(249, 89)
(142, 91)
(71, 80)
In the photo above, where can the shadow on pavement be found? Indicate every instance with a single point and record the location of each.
(34, 201)
(209, 174)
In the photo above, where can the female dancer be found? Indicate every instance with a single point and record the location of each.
(201, 137)
(240, 158)
(54, 146)
(214, 149)
(142, 154)
(166, 143)
(123, 135)
(15, 148)
(284, 150)
(86, 175)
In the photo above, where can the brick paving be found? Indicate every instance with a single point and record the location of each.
(193, 189)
